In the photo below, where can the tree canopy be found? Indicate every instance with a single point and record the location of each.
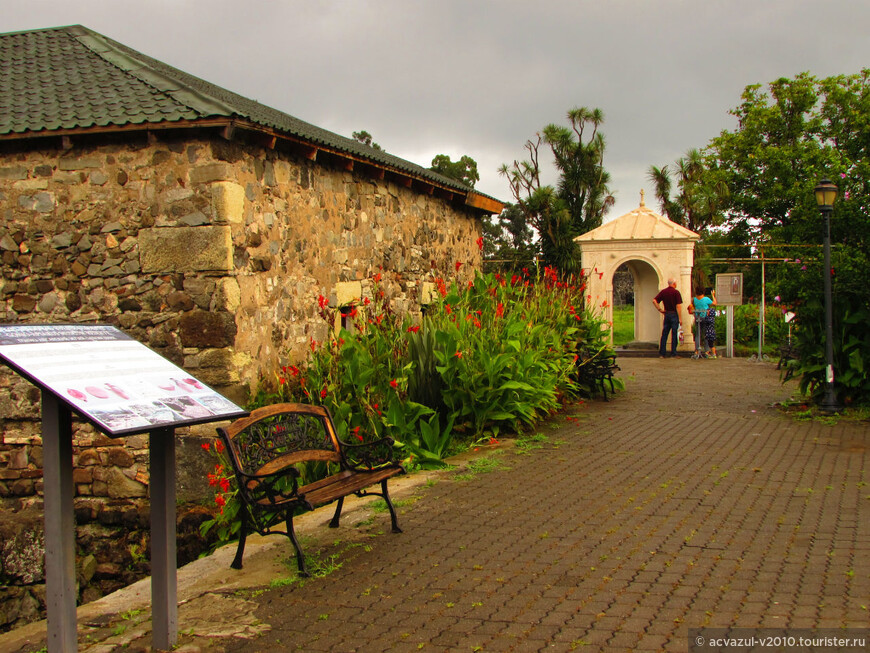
(695, 203)
(464, 170)
(788, 137)
(366, 139)
(581, 197)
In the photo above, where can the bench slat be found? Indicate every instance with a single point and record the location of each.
(311, 455)
(342, 485)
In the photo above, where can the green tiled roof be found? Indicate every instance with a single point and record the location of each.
(74, 78)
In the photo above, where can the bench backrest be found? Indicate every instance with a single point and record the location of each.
(294, 433)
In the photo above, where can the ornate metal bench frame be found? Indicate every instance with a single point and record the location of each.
(269, 451)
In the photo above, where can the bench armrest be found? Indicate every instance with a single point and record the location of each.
(271, 487)
(367, 456)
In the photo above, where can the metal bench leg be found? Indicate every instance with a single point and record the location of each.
(334, 522)
(243, 534)
(389, 503)
(300, 559)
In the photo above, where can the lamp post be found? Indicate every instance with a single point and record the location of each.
(826, 193)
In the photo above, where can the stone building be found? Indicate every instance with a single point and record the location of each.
(202, 223)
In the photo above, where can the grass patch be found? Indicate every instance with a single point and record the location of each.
(481, 466)
(529, 443)
(623, 325)
(380, 505)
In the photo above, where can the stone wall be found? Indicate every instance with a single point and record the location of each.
(211, 252)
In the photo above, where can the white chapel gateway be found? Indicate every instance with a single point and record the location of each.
(655, 249)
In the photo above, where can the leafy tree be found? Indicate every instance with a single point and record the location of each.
(464, 170)
(507, 239)
(788, 137)
(366, 139)
(581, 198)
(696, 204)
(583, 179)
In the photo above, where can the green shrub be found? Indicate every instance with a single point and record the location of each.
(488, 357)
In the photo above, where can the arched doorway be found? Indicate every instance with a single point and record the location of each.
(647, 324)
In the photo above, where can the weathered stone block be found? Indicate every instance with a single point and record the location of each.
(228, 202)
(205, 329)
(119, 485)
(347, 292)
(211, 172)
(186, 249)
(23, 303)
(13, 172)
(78, 163)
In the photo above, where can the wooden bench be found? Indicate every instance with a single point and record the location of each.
(273, 453)
(595, 369)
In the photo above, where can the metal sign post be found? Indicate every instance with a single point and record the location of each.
(729, 292)
(60, 528)
(122, 388)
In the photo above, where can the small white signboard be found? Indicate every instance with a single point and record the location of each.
(729, 289)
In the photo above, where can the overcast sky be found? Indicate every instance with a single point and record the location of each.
(480, 77)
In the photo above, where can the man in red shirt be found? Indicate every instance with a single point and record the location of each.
(668, 303)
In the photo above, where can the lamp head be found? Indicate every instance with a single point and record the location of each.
(825, 193)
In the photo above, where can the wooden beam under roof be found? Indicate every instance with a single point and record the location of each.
(484, 203)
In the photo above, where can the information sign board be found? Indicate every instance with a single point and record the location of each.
(111, 379)
(729, 289)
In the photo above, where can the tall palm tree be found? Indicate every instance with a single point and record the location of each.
(698, 203)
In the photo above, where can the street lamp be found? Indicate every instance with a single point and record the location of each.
(826, 193)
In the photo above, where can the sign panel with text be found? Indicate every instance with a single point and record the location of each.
(729, 289)
(112, 380)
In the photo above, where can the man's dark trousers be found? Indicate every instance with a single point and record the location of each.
(671, 325)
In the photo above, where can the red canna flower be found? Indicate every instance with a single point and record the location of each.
(281, 380)
(205, 446)
(413, 329)
(218, 446)
(394, 384)
(480, 243)
(225, 485)
(323, 393)
(499, 310)
(458, 265)
(322, 301)
(458, 354)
